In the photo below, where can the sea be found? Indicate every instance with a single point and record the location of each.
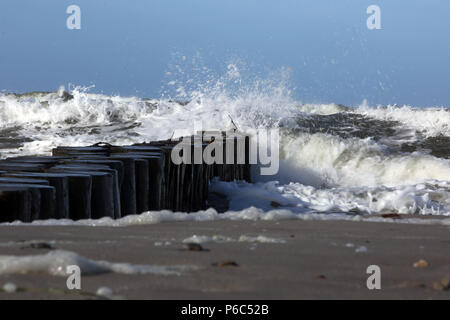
(335, 161)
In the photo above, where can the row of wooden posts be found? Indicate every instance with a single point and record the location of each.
(113, 181)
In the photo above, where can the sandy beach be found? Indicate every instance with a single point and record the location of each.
(287, 259)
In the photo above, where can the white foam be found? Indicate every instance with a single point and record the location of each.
(357, 162)
(428, 121)
(349, 245)
(205, 239)
(260, 239)
(55, 263)
(322, 109)
(9, 287)
(248, 214)
(104, 292)
(361, 249)
(299, 198)
(222, 239)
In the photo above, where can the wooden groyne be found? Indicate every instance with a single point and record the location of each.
(103, 180)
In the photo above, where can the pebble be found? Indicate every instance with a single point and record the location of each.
(227, 263)
(392, 215)
(444, 285)
(421, 264)
(361, 249)
(193, 247)
(41, 245)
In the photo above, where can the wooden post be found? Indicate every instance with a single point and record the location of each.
(44, 208)
(118, 180)
(102, 196)
(59, 182)
(15, 204)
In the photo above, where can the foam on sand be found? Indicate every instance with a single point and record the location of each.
(222, 239)
(55, 263)
(250, 214)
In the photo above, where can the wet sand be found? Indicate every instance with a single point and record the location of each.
(318, 260)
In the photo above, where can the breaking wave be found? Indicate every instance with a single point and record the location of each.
(334, 158)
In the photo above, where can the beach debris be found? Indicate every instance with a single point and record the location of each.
(321, 276)
(104, 292)
(361, 249)
(233, 123)
(194, 247)
(226, 263)
(40, 245)
(446, 282)
(349, 245)
(442, 285)
(391, 215)
(162, 243)
(9, 287)
(420, 264)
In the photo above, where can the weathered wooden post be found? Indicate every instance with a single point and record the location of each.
(128, 202)
(59, 182)
(44, 199)
(102, 196)
(15, 204)
(118, 179)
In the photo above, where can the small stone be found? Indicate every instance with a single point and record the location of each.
(443, 285)
(361, 249)
(392, 215)
(227, 263)
(9, 287)
(438, 286)
(420, 264)
(446, 282)
(104, 292)
(349, 245)
(321, 276)
(41, 245)
(193, 247)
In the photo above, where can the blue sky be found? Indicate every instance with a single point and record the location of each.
(126, 47)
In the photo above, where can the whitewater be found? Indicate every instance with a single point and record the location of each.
(334, 160)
